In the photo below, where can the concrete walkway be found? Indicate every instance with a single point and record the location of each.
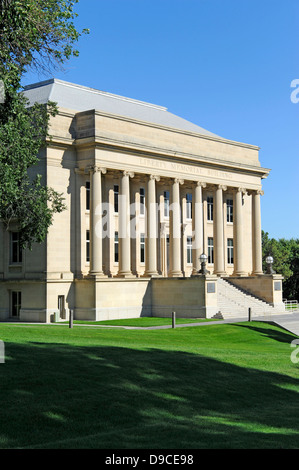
(288, 321)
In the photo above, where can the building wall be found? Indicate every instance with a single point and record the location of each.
(59, 267)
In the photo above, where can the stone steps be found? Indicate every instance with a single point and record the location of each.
(235, 302)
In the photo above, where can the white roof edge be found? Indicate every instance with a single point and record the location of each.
(92, 90)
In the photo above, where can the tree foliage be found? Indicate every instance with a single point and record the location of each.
(286, 262)
(36, 34)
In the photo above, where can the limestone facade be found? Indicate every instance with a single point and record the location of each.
(144, 200)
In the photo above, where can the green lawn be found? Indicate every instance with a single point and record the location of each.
(213, 386)
(144, 322)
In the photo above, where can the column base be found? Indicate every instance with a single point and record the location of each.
(240, 274)
(151, 274)
(125, 275)
(176, 274)
(195, 272)
(257, 273)
(97, 274)
(221, 274)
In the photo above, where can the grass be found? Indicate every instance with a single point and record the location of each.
(144, 322)
(219, 386)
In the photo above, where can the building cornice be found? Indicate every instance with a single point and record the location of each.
(127, 147)
(170, 129)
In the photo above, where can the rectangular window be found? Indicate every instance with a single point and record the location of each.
(189, 206)
(87, 189)
(229, 211)
(230, 251)
(142, 248)
(210, 208)
(116, 191)
(116, 247)
(189, 250)
(166, 203)
(87, 246)
(142, 201)
(210, 250)
(15, 248)
(15, 304)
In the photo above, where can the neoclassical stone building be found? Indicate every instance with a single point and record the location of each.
(147, 193)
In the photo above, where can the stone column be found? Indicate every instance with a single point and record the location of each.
(96, 236)
(152, 238)
(124, 234)
(197, 226)
(238, 234)
(218, 231)
(175, 229)
(256, 233)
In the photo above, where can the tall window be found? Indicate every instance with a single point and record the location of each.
(87, 188)
(189, 250)
(15, 303)
(142, 248)
(189, 206)
(142, 201)
(116, 191)
(210, 208)
(87, 246)
(116, 247)
(210, 250)
(229, 211)
(166, 203)
(15, 248)
(230, 251)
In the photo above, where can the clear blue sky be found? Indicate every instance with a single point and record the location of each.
(226, 65)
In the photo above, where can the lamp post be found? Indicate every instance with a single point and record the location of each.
(269, 261)
(203, 260)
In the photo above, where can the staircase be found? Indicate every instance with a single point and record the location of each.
(234, 302)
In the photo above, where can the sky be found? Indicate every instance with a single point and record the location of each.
(225, 65)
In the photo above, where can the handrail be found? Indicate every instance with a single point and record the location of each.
(291, 304)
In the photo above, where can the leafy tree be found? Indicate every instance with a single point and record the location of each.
(36, 34)
(286, 262)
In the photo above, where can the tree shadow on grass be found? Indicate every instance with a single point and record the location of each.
(59, 396)
(277, 333)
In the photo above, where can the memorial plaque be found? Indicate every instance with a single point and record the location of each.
(277, 285)
(211, 288)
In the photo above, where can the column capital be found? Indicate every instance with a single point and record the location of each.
(154, 177)
(260, 192)
(221, 186)
(95, 169)
(178, 180)
(201, 183)
(99, 169)
(129, 173)
(241, 190)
